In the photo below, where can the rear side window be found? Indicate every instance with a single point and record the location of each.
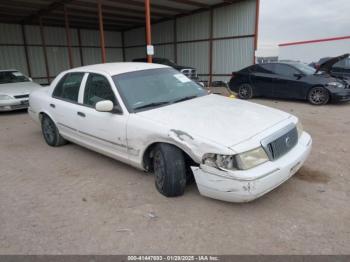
(285, 70)
(97, 89)
(265, 68)
(68, 87)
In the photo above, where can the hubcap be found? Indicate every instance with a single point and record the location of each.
(244, 91)
(318, 96)
(159, 169)
(49, 130)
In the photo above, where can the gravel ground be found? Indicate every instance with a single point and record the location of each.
(70, 200)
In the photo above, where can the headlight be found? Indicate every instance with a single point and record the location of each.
(300, 128)
(5, 97)
(241, 161)
(336, 84)
(251, 158)
(225, 162)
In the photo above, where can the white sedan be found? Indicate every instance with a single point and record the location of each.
(14, 90)
(156, 119)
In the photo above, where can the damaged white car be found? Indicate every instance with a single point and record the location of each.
(156, 119)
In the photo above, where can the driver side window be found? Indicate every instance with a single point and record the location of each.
(97, 89)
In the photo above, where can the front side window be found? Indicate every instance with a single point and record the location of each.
(97, 89)
(68, 87)
(152, 88)
(7, 77)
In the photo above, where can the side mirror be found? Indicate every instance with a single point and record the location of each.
(104, 106)
(30, 79)
(299, 75)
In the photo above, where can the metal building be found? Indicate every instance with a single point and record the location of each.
(43, 37)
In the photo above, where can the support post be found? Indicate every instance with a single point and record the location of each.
(68, 36)
(102, 35)
(123, 46)
(80, 48)
(148, 27)
(256, 34)
(44, 49)
(25, 44)
(211, 30)
(175, 40)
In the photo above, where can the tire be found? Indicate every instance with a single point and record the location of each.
(245, 91)
(318, 96)
(50, 132)
(169, 170)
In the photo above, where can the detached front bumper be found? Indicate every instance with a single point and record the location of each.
(341, 96)
(247, 185)
(13, 104)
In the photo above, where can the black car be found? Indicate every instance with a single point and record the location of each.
(291, 80)
(335, 66)
(190, 72)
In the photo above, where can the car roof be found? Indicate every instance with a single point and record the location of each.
(117, 68)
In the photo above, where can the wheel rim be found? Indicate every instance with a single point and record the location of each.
(244, 91)
(49, 130)
(318, 96)
(159, 169)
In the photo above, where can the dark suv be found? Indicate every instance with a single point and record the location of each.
(335, 66)
(190, 72)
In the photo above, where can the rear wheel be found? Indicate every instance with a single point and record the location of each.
(245, 91)
(169, 170)
(50, 132)
(318, 96)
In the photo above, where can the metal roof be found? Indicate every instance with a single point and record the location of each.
(117, 14)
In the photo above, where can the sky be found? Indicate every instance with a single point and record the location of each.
(284, 21)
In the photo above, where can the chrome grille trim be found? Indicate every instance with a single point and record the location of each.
(281, 142)
(21, 96)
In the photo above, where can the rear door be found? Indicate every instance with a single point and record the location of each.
(261, 77)
(64, 104)
(287, 83)
(104, 131)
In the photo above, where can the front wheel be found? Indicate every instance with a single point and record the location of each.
(169, 170)
(245, 91)
(50, 132)
(318, 96)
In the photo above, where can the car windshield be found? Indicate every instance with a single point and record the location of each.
(147, 89)
(7, 77)
(306, 69)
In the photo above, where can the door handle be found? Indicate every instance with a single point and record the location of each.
(81, 114)
(52, 105)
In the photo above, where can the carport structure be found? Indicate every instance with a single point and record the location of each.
(44, 37)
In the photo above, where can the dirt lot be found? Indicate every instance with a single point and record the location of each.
(70, 200)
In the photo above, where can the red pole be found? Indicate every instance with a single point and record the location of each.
(148, 27)
(102, 35)
(257, 13)
(68, 36)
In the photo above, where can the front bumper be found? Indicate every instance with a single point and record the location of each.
(247, 185)
(341, 96)
(13, 104)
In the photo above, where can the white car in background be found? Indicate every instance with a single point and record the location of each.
(15, 89)
(156, 119)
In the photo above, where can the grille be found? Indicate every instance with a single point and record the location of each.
(282, 145)
(22, 96)
(190, 73)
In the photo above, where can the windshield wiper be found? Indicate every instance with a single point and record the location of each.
(154, 104)
(184, 99)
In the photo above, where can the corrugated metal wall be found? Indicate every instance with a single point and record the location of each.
(12, 52)
(233, 40)
(233, 43)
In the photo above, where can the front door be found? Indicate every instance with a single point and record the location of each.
(104, 131)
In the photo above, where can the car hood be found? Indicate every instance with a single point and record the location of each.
(327, 65)
(20, 88)
(220, 119)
